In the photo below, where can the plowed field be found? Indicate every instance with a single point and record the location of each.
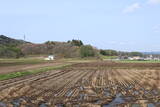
(99, 84)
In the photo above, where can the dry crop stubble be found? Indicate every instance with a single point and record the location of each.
(87, 84)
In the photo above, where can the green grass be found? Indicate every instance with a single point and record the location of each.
(78, 60)
(108, 57)
(21, 61)
(29, 72)
(136, 61)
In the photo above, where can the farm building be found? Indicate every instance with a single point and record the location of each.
(50, 57)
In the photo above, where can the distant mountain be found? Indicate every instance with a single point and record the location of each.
(4, 40)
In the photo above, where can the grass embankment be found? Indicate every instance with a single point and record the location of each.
(136, 61)
(29, 72)
(78, 60)
(108, 57)
(21, 61)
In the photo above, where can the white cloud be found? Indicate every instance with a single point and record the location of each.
(132, 8)
(153, 2)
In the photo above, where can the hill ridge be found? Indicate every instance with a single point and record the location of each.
(4, 40)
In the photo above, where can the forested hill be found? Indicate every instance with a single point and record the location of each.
(12, 48)
(4, 40)
(9, 47)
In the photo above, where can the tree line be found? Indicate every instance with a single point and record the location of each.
(119, 53)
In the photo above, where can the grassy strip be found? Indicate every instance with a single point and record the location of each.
(135, 61)
(108, 57)
(12, 62)
(29, 72)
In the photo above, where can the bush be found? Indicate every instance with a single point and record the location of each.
(87, 51)
(103, 52)
(10, 51)
(111, 52)
(108, 52)
(135, 54)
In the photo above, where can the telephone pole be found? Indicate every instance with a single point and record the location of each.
(24, 37)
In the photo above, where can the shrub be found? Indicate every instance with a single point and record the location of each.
(108, 52)
(103, 52)
(87, 51)
(10, 51)
(135, 54)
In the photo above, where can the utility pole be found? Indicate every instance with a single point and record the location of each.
(24, 37)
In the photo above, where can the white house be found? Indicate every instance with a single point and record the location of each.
(50, 57)
(136, 58)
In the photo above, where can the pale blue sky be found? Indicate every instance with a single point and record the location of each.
(127, 25)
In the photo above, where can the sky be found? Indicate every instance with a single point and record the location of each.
(125, 25)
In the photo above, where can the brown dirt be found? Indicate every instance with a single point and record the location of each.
(17, 68)
(85, 87)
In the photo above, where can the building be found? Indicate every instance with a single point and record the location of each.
(50, 57)
(136, 58)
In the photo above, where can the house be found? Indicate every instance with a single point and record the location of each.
(123, 57)
(157, 59)
(152, 57)
(136, 58)
(50, 57)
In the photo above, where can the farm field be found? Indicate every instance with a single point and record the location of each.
(19, 65)
(87, 84)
